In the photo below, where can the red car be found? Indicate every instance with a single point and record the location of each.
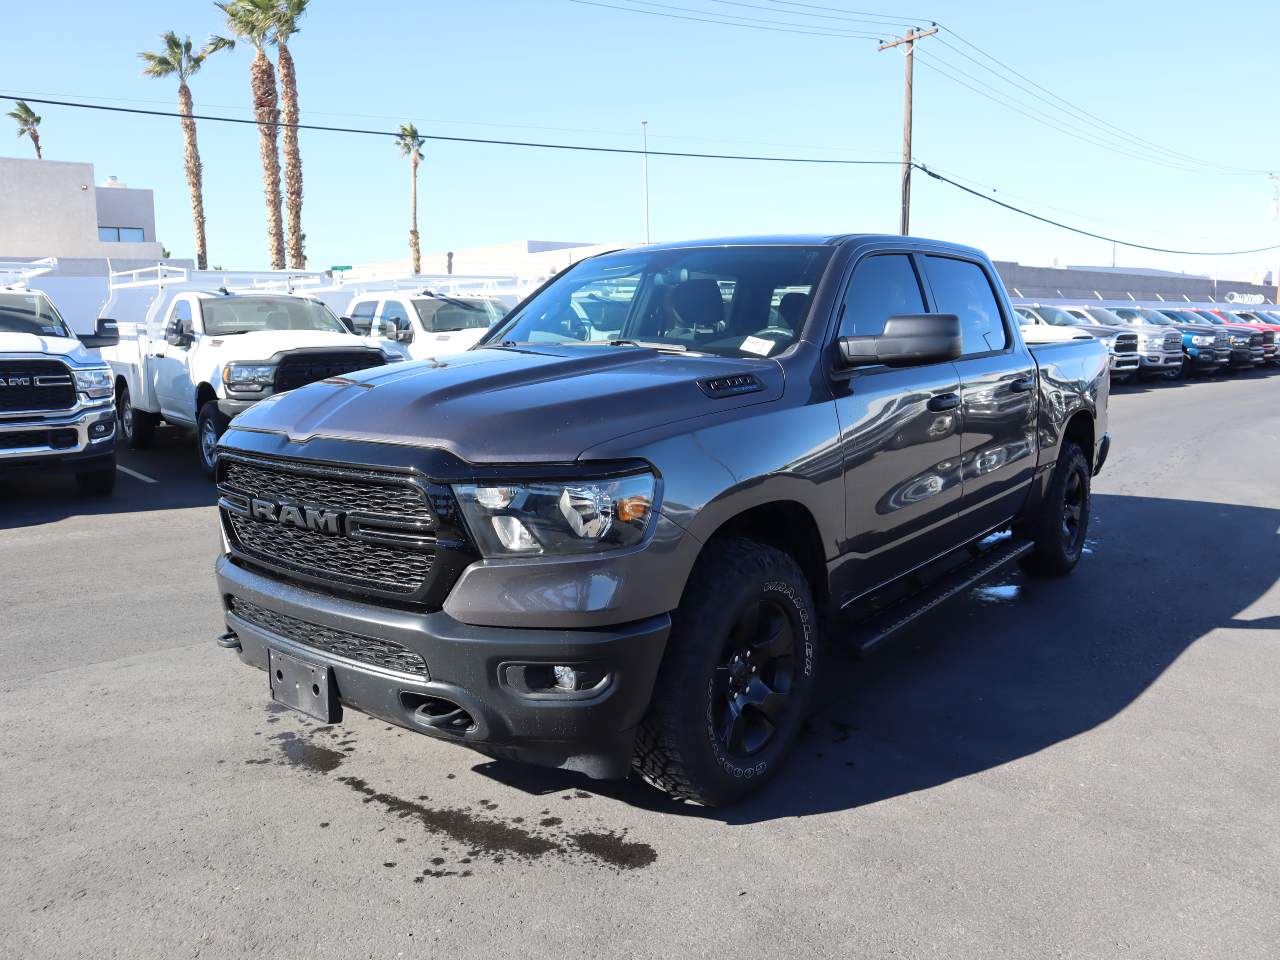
(1259, 321)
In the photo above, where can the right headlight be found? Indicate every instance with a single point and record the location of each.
(1200, 340)
(253, 377)
(558, 517)
(95, 382)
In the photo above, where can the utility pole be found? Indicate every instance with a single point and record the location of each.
(910, 40)
(644, 131)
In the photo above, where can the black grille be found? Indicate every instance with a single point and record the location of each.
(352, 646)
(299, 369)
(1126, 343)
(344, 559)
(57, 439)
(35, 385)
(366, 492)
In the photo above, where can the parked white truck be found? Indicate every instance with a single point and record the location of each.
(194, 354)
(55, 397)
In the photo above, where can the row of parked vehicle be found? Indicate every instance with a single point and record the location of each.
(1161, 339)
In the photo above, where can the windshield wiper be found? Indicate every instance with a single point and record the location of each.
(454, 300)
(650, 345)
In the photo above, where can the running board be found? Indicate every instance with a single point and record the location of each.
(870, 633)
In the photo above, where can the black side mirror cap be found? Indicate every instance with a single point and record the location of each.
(908, 339)
(107, 334)
(348, 323)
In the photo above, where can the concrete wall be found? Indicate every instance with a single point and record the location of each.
(127, 207)
(49, 208)
(1055, 282)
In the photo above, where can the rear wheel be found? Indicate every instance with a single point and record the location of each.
(737, 678)
(210, 426)
(137, 427)
(1060, 527)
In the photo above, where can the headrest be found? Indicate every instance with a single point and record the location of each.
(791, 308)
(697, 303)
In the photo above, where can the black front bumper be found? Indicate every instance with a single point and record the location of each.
(473, 668)
(81, 461)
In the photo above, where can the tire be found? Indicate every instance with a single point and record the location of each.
(137, 427)
(97, 483)
(1060, 527)
(210, 425)
(708, 736)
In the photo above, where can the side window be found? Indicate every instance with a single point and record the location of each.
(181, 311)
(394, 317)
(961, 287)
(883, 286)
(362, 316)
(1025, 317)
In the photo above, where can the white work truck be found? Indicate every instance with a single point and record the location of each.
(55, 396)
(195, 354)
(427, 323)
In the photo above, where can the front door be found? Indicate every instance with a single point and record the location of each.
(171, 368)
(900, 437)
(998, 393)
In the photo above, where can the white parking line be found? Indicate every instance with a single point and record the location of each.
(135, 474)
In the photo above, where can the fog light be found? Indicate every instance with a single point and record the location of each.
(100, 429)
(566, 677)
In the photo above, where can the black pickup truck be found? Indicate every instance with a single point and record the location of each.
(617, 533)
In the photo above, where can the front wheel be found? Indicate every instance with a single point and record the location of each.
(1059, 527)
(737, 677)
(210, 426)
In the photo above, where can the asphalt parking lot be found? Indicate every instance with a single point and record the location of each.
(1082, 768)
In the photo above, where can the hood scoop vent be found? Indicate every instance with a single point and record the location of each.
(730, 386)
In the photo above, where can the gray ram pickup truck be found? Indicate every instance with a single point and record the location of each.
(617, 533)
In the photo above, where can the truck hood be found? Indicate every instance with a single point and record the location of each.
(265, 344)
(516, 405)
(63, 347)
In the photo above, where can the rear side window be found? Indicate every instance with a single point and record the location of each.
(962, 287)
(362, 316)
(883, 286)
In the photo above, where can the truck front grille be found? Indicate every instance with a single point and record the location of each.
(346, 529)
(299, 369)
(50, 439)
(351, 646)
(1173, 343)
(37, 385)
(1126, 343)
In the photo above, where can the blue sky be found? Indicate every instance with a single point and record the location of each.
(1196, 78)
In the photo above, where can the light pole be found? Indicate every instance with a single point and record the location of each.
(644, 133)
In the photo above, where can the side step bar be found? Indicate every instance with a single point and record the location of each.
(879, 627)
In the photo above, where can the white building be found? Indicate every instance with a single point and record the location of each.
(532, 261)
(51, 208)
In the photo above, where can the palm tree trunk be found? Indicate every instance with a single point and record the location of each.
(292, 157)
(35, 138)
(195, 172)
(267, 113)
(414, 250)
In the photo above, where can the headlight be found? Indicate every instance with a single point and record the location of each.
(95, 383)
(1202, 341)
(252, 377)
(574, 516)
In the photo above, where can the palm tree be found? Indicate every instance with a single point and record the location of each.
(28, 124)
(253, 20)
(411, 146)
(178, 58)
(284, 26)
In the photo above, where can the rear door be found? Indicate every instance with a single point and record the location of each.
(899, 434)
(998, 393)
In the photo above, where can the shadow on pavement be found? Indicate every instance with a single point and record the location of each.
(1017, 666)
(29, 498)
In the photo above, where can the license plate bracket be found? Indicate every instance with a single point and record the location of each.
(306, 687)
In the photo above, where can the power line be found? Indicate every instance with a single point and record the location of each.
(1096, 236)
(630, 151)
(794, 28)
(888, 18)
(874, 21)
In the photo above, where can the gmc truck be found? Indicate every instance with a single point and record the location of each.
(56, 410)
(616, 533)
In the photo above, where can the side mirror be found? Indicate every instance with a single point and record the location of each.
(402, 335)
(348, 323)
(182, 334)
(106, 334)
(907, 340)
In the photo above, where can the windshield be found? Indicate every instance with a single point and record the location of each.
(450, 314)
(1059, 318)
(225, 316)
(1186, 316)
(1104, 316)
(31, 313)
(1213, 318)
(743, 301)
(1153, 317)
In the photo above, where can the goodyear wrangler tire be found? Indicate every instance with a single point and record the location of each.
(737, 678)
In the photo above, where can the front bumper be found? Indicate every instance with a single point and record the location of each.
(229, 408)
(472, 668)
(85, 432)
(1124, 365)
(1159, 362)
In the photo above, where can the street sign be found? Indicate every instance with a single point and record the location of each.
(339, 269)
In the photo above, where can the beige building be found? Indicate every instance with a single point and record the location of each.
(51, 208)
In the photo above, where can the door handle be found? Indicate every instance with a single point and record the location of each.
(1021, 385)
(944, 401)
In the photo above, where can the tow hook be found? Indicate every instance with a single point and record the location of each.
(228, 641)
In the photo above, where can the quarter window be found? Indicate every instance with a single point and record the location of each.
(963, 288)
(883, 286)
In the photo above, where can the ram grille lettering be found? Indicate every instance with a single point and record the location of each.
(314, 519)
